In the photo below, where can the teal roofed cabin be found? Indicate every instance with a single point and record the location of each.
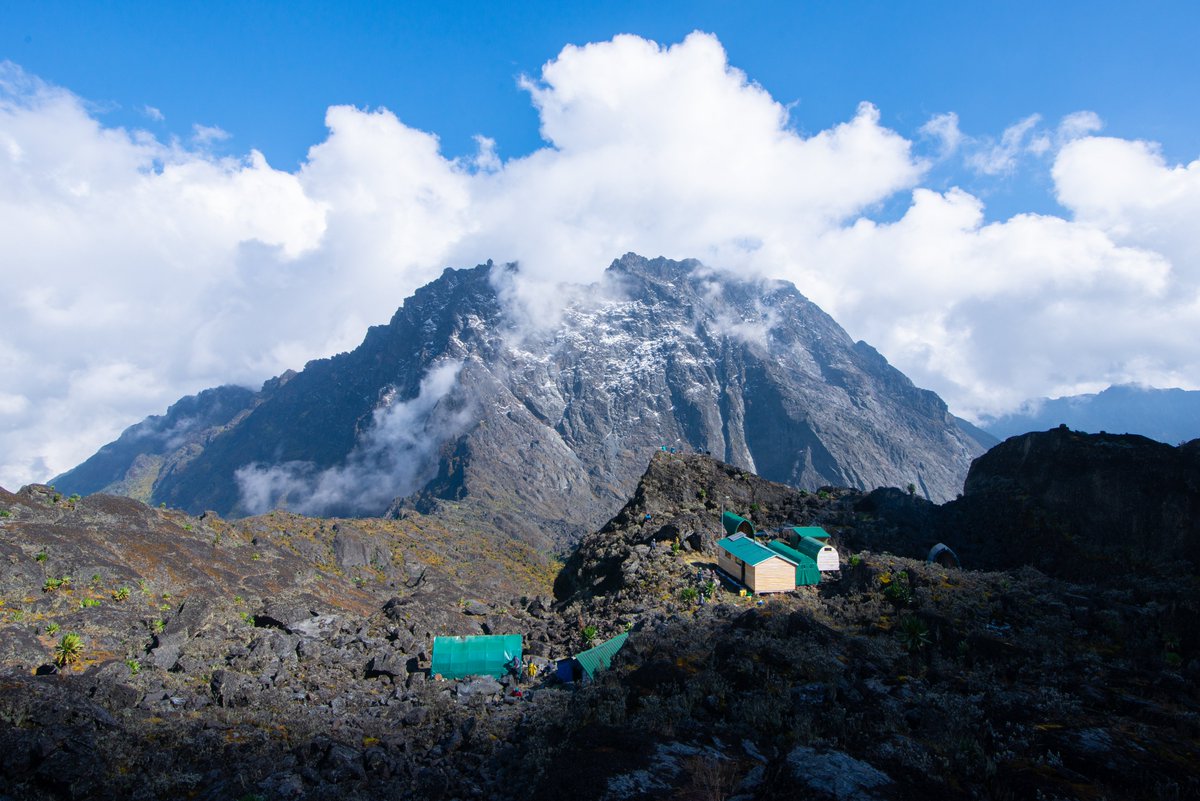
(754, 565)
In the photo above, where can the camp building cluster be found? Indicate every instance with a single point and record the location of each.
(758, 565)
(764, 566)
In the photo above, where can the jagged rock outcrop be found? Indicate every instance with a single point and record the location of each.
(546, 427)
(1080, 504)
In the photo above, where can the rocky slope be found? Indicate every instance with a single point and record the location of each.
(545, 427)
(302, 673)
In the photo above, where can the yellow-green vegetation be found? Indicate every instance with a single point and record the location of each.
(120, 594)
(69, 649)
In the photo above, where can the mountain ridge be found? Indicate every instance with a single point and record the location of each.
(455, 401)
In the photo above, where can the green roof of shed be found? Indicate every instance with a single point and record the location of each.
(746, 549)
(816, 532)
(600, 657)
(735, 523)
(458, 657)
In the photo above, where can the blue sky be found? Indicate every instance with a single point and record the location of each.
(265, 72)
(1001, 197)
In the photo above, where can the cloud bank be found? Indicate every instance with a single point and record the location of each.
(138, 270)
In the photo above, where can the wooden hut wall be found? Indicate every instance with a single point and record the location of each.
(772, 575)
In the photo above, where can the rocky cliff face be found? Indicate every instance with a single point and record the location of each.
(546, 426)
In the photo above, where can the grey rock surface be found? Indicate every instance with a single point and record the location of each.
(548, 426)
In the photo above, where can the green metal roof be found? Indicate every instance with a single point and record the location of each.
(816, 532)
(457, 657)
(746, 549)
(735, 523)
(600, 657)
(811, 547)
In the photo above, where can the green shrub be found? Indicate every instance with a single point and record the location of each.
(52, 629)
(913, 634)
(589, 634)
(69, 649)
(855, 560)
(689, 594)
(120, 594)
(897, 588)
(135, 667)
(87, 603)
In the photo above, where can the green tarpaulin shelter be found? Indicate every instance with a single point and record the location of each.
(457, 657)
(600, 657)
(734, 524)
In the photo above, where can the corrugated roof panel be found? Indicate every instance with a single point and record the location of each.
(746, 549)
(600, 657)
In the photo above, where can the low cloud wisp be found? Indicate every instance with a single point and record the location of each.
(393, 458)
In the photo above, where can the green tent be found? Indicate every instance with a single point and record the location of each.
(734, 524)
(600, 657)
(457, 657)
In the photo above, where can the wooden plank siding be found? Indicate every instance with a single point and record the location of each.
(731, 565)
(773, 575)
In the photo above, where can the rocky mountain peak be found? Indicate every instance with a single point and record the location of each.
(548, 429)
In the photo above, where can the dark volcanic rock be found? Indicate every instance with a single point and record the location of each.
(1080, 504)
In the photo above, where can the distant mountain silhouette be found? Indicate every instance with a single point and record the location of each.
(1167, 415)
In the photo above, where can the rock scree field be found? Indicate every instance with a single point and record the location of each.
(148, 653)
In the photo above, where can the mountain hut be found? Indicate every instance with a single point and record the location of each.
(816, 532)
(755, 566)
(819, 551)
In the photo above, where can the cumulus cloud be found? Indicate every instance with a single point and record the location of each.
(139, 270)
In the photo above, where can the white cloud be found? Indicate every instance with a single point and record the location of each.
(153, 113)
(944, 128)
(1078, 125)
(140, 270)
(207, 134)
(997, 158)
(1127, 189)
